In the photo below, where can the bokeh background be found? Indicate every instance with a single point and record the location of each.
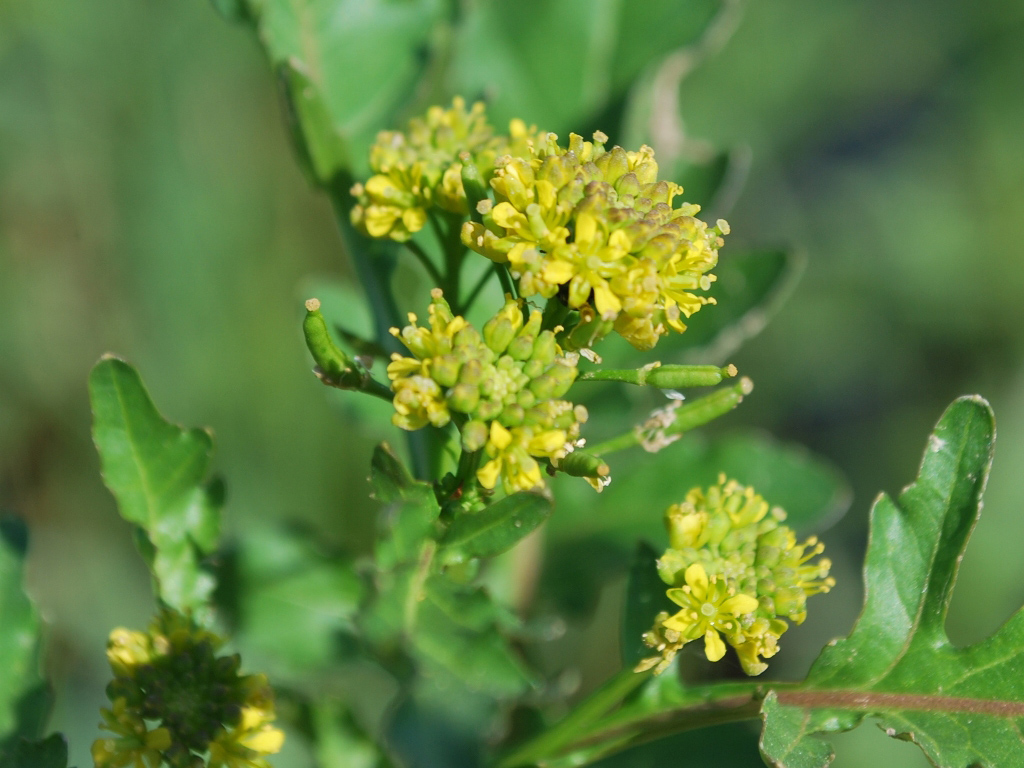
(151, 205)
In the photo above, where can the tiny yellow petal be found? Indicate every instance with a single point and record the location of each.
(739, 604)
(714, 648)
(697, 578)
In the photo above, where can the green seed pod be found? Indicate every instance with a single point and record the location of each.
(333, 363)
(580, 464)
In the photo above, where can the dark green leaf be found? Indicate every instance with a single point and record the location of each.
(51, 752)
(157, 472)
(750, 287)
(294, 602)
(963, 706)
(19, 635)
(713, 185)
(409, 513)
(645, 597)
(340, 742)
(359, 62)
(559, 62)
(496, 528)
(455, 632)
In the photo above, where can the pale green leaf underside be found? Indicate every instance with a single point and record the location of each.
(963, 706)
(157, 473)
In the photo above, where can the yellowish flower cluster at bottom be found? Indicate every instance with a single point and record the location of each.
(175, 702)
(736, 573)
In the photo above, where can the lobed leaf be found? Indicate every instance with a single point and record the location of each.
(962, 706)
(157, 471)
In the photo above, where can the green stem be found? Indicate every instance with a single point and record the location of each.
(371, 261)
(507, 286)
(683, 419)
(424, 259)
(585, 736)
(566, 730)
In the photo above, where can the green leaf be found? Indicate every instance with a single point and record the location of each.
(497, 527)
(157, 472)
(410, 509)
(358, 62)
(750, 288)
(322, 150)
(963, 706)
(51, 752)
(459, 632)
(645, 597)
(294, 602)
(340, 742)
(560, 62)
(20, 681)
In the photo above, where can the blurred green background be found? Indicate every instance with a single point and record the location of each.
(151, 205)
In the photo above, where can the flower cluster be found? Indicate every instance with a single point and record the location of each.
(422, 167)
(174, 700)
(502, 387)
(735, 572)
(597, 228)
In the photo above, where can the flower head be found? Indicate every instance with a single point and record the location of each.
(737, 573)
(175, 701)
(597, 228)
(503, 386)
(421, 167)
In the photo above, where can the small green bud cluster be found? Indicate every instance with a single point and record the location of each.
(175, 700)
(503, 386)
(735, 570)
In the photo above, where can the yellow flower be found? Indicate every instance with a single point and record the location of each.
(503, 385)
(737, 572)
(421, 168)
(709, 607)
(252, 737)
(173, 699)
(596, 227)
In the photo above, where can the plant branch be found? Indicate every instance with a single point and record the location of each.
(416, 250)
(666, 424)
